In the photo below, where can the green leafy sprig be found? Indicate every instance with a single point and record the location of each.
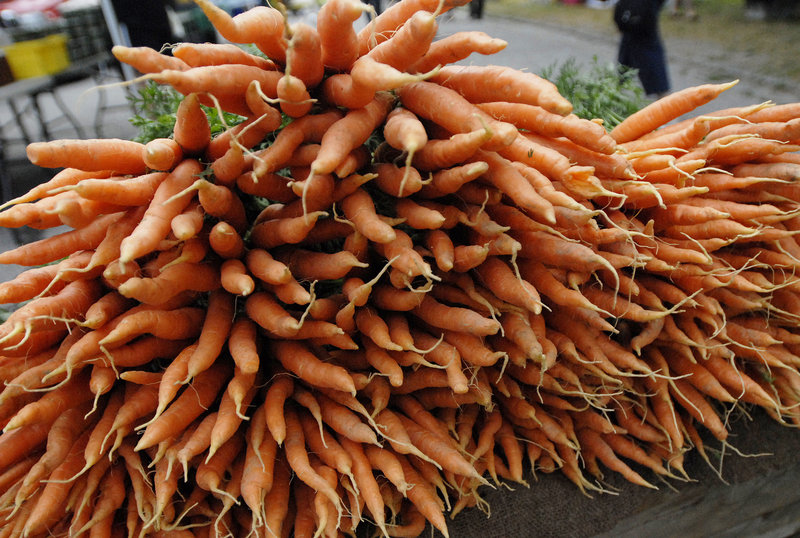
(598, 91)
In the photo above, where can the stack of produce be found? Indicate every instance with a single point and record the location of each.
(395, 283)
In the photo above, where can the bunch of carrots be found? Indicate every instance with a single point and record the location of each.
(397, 282)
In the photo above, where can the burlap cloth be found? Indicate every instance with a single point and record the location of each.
(761, 497)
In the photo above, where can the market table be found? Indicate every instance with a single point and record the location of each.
(35, 87)
(27, 94)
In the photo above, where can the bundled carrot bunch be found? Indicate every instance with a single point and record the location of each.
(394, 282)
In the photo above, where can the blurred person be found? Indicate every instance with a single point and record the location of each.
(476, 9)
(145, 21)
(641, 47)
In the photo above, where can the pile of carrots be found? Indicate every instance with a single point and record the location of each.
(398, 282)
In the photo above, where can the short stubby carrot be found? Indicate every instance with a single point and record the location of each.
(192, 131)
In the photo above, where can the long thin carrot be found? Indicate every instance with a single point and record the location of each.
(216, 328)
(121, 156)
(458, 46)
(665, 109)
(298, 459)
(155, 223)
(350, 132)
(452, 111)
(367, 484)
(61, 245)
(187, 407)
(197, 54)
(45, 511)
(503, 84)
(146, 59)
(393, 17)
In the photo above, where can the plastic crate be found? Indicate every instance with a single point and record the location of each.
(38, 57)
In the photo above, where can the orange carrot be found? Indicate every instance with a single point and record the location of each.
(389, 20)
(189, 222)
(230, 165)
(295, 101)
(366, 482)
(122, 156)
(146, 59)
(63, 433)
(45, 513)
(397, 181)
(267, 312)
(498, 277)
(298, 459)
(309, 128)
(536, 119)
(280, 231)
(350, 132)
(264, 27)
(593, 443)
(133, 191)
(162, 154)
(155, 223)
(264, 267)
(304, 54)
(197, 54)
(458, 46)
(189, 405)
(192, 131)
(170, 282)
(214, 333)
(225, 240)
(666, 109)
(338, 38)
(65, 178)
(455, 318)
(72, 393)
(61, 245)
(359, 208)
(449, 109)
(506, 84)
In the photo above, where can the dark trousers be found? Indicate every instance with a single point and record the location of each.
(476, 9)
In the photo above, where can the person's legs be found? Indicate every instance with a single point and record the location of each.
(648, 58)
(476, 9)
(653, 70)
